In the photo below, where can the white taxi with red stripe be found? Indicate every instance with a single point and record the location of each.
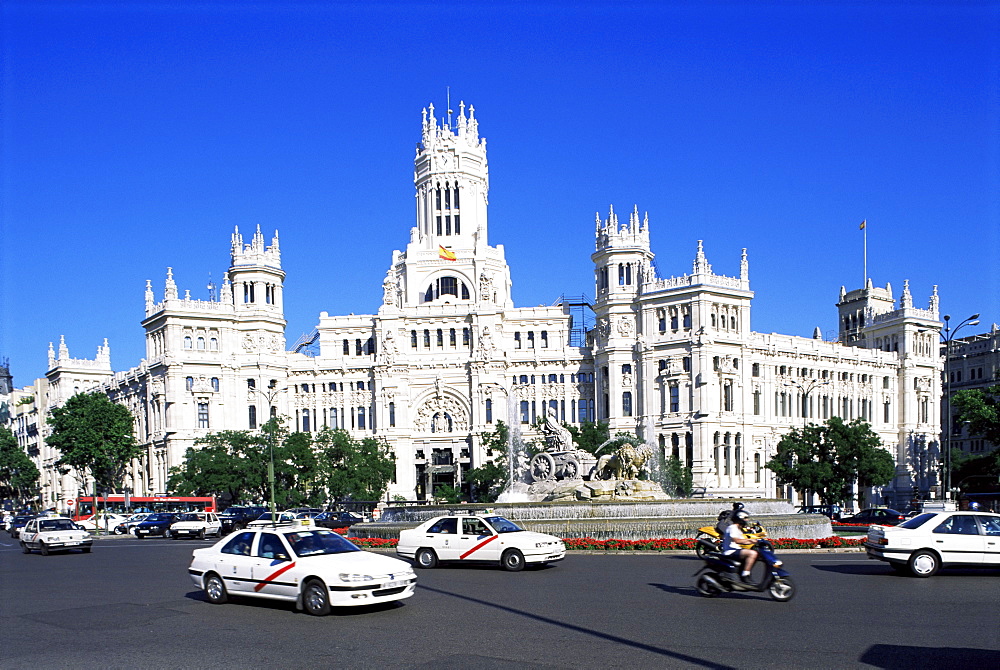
(478, 538)
(313, 567)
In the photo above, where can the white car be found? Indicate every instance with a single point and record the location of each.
(929, 541)
(54, 533)
(313, 567)
(106, 522)
(196, 524)
(130, 522)
(477, 538)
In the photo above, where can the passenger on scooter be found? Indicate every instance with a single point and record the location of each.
(726, 518)
(736, 545)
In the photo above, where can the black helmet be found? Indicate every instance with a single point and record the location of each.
(741, 517)
(737, 506)
(973, 507)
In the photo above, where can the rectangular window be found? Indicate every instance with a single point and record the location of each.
(427, 338)
(756, 402)
(334, 418)
(517, 340)
(687, 364)
(627, 403)
(524, 411)
(755, 369)
(675, 398)
(545, 339)
(531, 339)
(361, 418)
(452, 340)
(465, 337)
(392, 415)
(305, 421)
(440, 338)
(253, 416)
(489, 411)
(413, 339)
(347, 348)
(203, 415)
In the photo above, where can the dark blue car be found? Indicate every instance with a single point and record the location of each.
(155, 524)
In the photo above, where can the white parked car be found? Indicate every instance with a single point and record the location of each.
(477, 538)
(932, 540)
(130, 522)
(54, 533)
(106, 522)
(313, 567)
(196, 524)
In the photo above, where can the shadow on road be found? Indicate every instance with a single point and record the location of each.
(693, 660)
(903, 657)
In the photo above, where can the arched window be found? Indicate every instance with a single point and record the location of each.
(489, 411)
(201, 344)
(215, 384)
(189, 383)
(188, 342)
(392, 415)
(305, 421)
(213, 344)
(413, 339)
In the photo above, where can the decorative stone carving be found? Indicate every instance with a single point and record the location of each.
(442, 412)
(626, 328)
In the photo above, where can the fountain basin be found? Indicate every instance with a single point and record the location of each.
(620, 520)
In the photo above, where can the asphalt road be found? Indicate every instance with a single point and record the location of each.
(130, 604)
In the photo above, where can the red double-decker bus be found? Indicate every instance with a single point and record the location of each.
(83, 508)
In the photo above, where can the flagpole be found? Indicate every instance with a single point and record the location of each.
(864, 229)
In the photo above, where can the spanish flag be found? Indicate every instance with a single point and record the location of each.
(863, 224)
(445, 254)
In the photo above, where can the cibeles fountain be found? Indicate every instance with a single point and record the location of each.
(613, 494)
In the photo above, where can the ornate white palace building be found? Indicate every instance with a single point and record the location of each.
(447, 355)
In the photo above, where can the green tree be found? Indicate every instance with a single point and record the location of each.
(487, 481)
(94, 435)
(678, 479)
(449, 494)
(828, 459)
(589, 436)
(980, 408)
(220, 464)
(351, 469)
(18, 474)
(235, 462)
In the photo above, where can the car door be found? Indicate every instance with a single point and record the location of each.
(213, 526)
(477, 542)
(271, 563)
(959, 540)
(443, 537)
(234, 563)
(991, 530)
(29, 534)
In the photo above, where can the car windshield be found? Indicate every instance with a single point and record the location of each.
(191, 517)
(56, 524)
(917, 521)
(318, 543)
(502, 525)
(158, 517)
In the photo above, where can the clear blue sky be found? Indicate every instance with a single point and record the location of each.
(135, 136)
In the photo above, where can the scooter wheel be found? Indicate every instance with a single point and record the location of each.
(707, 587)
(782, 589)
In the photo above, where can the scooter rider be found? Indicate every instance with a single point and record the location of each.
(736, 545)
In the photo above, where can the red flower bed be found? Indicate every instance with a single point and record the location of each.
(684, 544)
(661, 544)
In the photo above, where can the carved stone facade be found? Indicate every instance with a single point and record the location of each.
(447, 355)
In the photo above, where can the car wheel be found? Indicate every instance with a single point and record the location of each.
(138, 536)
(86, 550)
(42, 547)
(316, 598)
(512, 560)
(119, 530)
(426, 558)
(924, 563)
(215, 589)
(170, 536)
(25, 549)
(782, 589)
(201, 534)
(900, 568)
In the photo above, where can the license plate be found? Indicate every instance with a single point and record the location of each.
(394, 584)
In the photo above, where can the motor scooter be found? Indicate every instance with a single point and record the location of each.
(721, 574)
(713, 539)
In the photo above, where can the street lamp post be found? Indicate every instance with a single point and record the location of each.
(270, 394)
(947, 336)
